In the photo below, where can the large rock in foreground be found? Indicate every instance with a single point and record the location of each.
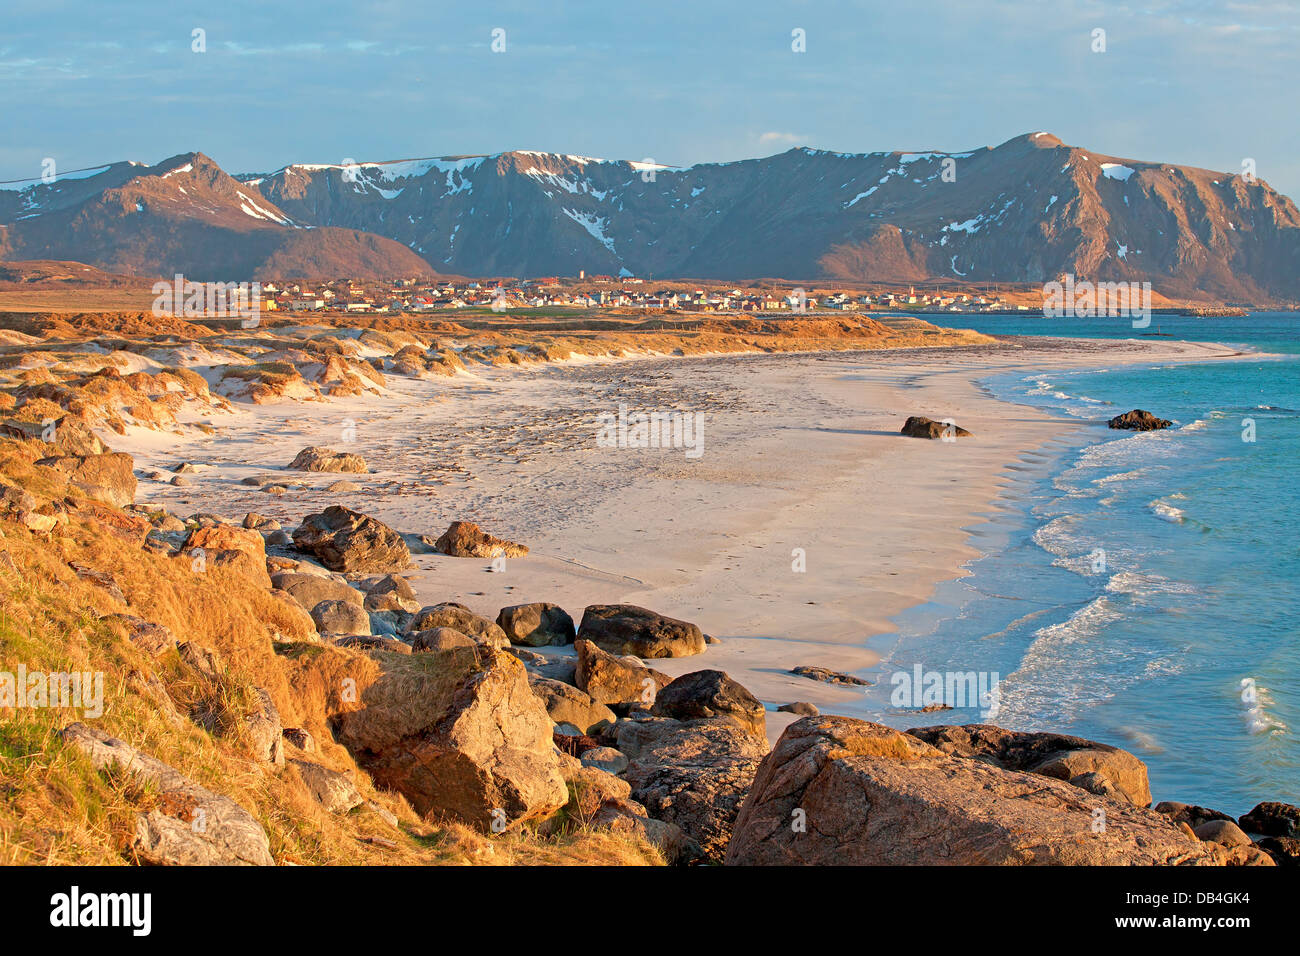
(191, 825)
(1139, 420)
(108, 477)
(840, 791)
(1097, 768)
(627, 629)
(316, 458)
(461, 735)
(693, 774)
(348, 541)
(918, 426)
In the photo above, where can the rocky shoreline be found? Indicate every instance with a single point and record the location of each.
(530, 722)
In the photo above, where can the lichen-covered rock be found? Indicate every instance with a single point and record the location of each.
(695, 775)
(1098, 768)
(189, 825)
(849, 792)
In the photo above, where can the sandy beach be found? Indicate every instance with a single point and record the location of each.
(799, 451)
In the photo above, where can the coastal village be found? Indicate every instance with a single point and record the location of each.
(607, 292)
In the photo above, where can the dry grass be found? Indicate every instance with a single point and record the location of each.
(56, 809)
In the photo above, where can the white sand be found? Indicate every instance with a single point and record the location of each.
(800, 451)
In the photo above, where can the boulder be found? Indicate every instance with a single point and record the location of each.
(1284, 851)
(1193, 816)
(1273, 819)
(536, 625)
(629, 818)
(109, 477)
(316, 458)
(604, 758)
(391, 593)
(1139, 420)
(918, 426)
(627, 629)
(308, 590)
(616, 680)
(591, 788)
(372, 642)
(340, 618)
(256, 522)
(828, 676)
(347, 541)
(711, 694)
(695, 775)
(300, 738)
(1224, 832)
(154, 639)
(67, 435)
(226, 545)
(460, 734)
(440, 639)
(265, 734)
(335, 791)
(569, 705)
(800, 707)
(1095, 767)
(464, 539)
(189, 825)
(459, 618)
(841, 791)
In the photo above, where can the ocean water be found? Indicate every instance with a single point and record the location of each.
(1142, 589)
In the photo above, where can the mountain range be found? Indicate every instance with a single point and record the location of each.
(1029, 210)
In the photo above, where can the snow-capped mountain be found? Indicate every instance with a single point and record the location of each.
(182, 215)
(1028, 210)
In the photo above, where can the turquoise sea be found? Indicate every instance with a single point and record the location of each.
(1144, 589)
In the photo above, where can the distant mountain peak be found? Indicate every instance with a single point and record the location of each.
(1027, 210)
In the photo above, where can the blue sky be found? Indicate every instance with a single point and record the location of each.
(1200, 82)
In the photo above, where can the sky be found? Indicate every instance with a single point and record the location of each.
(1197, 82)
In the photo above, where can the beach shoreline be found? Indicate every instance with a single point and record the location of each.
(801, 463)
